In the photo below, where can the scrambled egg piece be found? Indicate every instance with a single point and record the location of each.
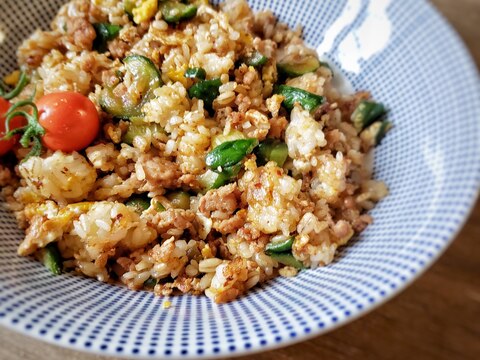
(12, 78)
(145, 11)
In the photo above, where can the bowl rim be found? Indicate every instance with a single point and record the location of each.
(466, 211)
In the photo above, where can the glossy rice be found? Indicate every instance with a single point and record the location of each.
(216, 245)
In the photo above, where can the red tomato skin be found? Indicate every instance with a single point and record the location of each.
(16, 122)
(70, 120)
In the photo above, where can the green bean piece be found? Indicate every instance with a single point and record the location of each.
(105, 32)
(299, 66)
(142, 130)
(52, 259)
(179, 199)
(293, 95)
(284, 245)
(255, 59)
(287, 259)
(232, 171)
(206, 90)
(271, 150)
(150, 282)
(196, 73)
(230, 153)
(138, 203)
(173, 12)
(366, 113)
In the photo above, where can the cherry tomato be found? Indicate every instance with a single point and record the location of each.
(16, 122)
(70, 120)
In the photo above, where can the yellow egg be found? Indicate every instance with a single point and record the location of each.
(145, 11)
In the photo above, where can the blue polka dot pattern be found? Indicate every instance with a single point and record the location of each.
(430, 162)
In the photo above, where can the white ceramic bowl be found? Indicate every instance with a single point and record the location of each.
(407, 55)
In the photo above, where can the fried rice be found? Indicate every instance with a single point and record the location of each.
(267, 219)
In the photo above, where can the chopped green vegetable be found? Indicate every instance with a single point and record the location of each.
(298, 66)
(232, 171)
(179, 199)
(212, 180)
(196, 73)
(146, 78)
(271, 150)
(230, 153)
(280, 246)
(255, 59)
(382, 131)
(206, 90)
(159, 207)
(293, 95)
(174, 12)
(138, 203)
(135, 130)
(286, 258)
(145, 74)
(105, 32)
(366, 113)
(374, 134)
(150, 282)
(52, 259)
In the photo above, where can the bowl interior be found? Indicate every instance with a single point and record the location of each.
(406, 55)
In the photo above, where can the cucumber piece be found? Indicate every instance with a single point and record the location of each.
(105, 32)
(255, 59)
(271, 150)
(196, 73)
(173, 12)
(374, 134)
(179, 199)
(382, 131)
(280, 246)
(212, 180)
(292, 95)
(122, 107)
(366, 113)
(206, 90)
(145, 73)
(230, 153)
(52, 259)
(298, 66)
(146, 79)
(138, 203)
(287, 259)
(140, 130)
